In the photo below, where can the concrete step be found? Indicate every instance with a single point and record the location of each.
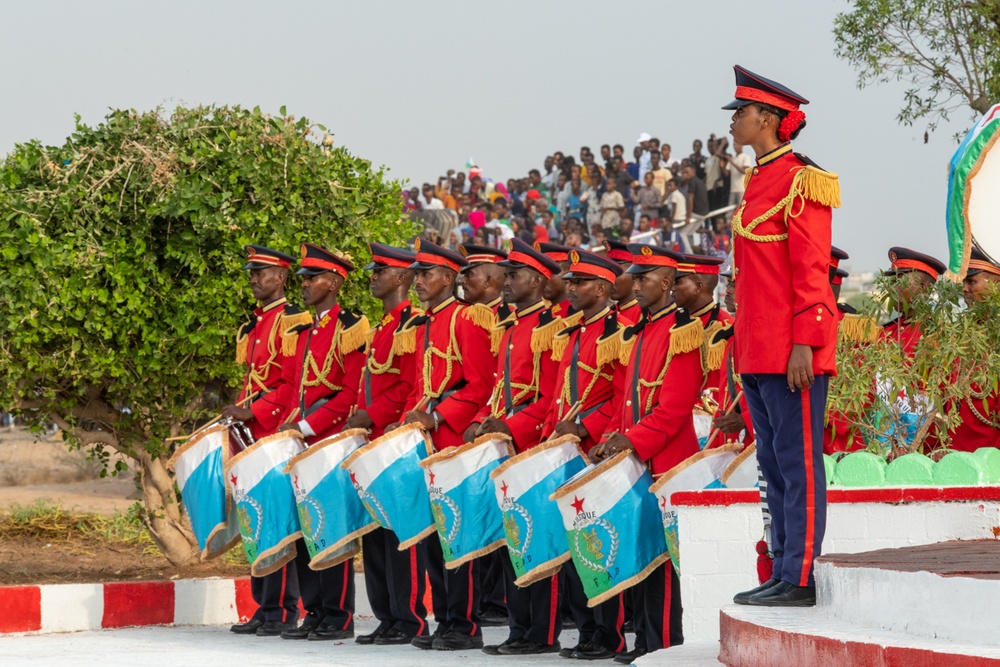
(773, 637)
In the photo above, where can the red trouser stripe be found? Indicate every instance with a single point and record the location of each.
(281, 599)
(348, 564)
(620, 622)
(468, 609)
(807, 455)
(553, 609)
(413, 589)
(667, 594)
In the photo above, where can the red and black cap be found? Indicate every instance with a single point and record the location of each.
(260, 257)
(836, 257)
(481, 254)
(702, 264)
(554, 251)
(384, 256)
(618, 251)
(837, 277)
(646, 258)
(522, 255)
(586, 265)
(430, 255)
(317, 260)
(905, 260)
(752, 88)
(979, 262)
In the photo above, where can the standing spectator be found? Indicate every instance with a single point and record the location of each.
(697, 195)
(660, 173)
(697, 160)
(665, 155)
(738, 166)
(430, 202)
(551, 174)
(633, 167)
(612, 204)
(717, 172)
(535, 182)
(618, 151)
(499, 228)
(592, 198)
(561, 194)
(643, 143)
(576, 206)
(606, 155)
(676, 205)
(648, 198)
(622, 177)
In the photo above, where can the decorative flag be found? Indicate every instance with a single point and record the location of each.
(199, 464)
(536, 539)
(973, 195)
(265, 502)
(330, 512)
(612, 525)
(466, 516)
(742, 471)
(697, 472)
(390, 482)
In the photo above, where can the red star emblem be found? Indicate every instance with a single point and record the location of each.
(233, 479)
(354, 477)
(663, 503)
(578, 504)
(295, 482)
(504, 488)
(430, 476)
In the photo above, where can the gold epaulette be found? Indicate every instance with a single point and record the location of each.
(404, 341)
(498, 330)
(480, 315)
(242, 343)
(686, 337)
(746, 177)
(290, 334)
(859, 328)
(571, 320)
(714, 352)
(543, 336)
(625, 349)
(354, 336)
(560, 341)
(822, 187)
(609, 349)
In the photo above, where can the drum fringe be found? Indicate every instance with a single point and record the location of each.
(277, 565)
(472, 555)
(630, 582)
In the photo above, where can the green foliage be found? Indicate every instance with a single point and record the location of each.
(877, 384)
(121, 255)
(944, 51)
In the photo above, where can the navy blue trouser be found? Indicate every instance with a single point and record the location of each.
(327, 595)
(600, 625)
(789, 432)
(395, 581)
(454, 593)
(657, 611)
(277, 595)
(533, 611)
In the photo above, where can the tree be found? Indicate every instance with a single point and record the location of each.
(120, 258)
(944, 50)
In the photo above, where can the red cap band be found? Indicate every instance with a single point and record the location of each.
(706, 269)
(837, 280)
(389, 261)
(528, 260)
(620, 255)
(654, 260)
(270, 260)
(980, 265)
(764, 97)
(313, 263)
(484, 258)
(916, 265)
(834, 262)
(592, 270)
(437, 260)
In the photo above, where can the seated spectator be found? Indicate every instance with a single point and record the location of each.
(430, 202)
(592, 198)
(643, 235)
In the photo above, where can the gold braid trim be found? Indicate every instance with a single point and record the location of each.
(242, 344)
(571, 320)
(290, 339)
(859, 328)
(481, 316)
(809, 183)
(687, 337)
(405, 341)
(543, 338)
(609, 349)
(822, 187)
(355, 337)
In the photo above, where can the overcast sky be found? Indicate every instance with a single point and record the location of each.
(423, 86)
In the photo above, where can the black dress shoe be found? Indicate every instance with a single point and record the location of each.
(529, 648)
(493, 618)
(325, 633)
(248, 628)
(494, 649)
(393, 637)
(568, 652)
(785, 594)
(593, 652)
(273, 628)
(456, 641)
(371, 636)
(301, 632)
(744, 597)
(628, 657)
(424, 642)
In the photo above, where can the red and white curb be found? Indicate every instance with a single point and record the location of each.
(77, 607)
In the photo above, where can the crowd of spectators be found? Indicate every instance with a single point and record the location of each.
(652, 198)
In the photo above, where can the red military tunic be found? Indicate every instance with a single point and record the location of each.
(629, 312)
(662, 385)
(454, 367)
(730, 387)
(329, 358)
(782, 241)
(390, 369)
(525, 374)
(258, 345)
(906, 334)
(594, 352)
(980, 427)
(840, 434)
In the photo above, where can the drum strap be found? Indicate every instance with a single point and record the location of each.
(574, 387)
(368, 385)
(636, 376)
(508, 396)
(731, 383)
(302, 381)
(589, 411)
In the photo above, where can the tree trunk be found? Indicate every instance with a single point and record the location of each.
(167, 526)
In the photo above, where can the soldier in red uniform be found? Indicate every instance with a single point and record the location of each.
(482, 280)
(591, 375)
(980, 410)
(915, 274)
(555, 288)
(323, 384)
(525, 374)
(453, 381)
(625, 304)
(786, 333)
(394, 579)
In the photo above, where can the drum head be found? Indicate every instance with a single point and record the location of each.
(983, 193)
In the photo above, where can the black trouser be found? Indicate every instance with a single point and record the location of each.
(277, 595)
(328, 594)
(395, 581)
(532, 612)
(455, 592)
(600, 625)
(657, 611)
(492, 581)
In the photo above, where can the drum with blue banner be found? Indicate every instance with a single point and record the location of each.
(742, 472)
(702, 471)
(466, 516)
(387, 476)
(533, 528)
(201, 477)
(613, 526)
(331, 514)
(265, 501)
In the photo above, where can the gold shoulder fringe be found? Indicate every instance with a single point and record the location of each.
(560, 342)
(859, 328)
(242, 343)
(687, 337)
(480, 315)
(609, 349)
(355, 337)
(405, 341)
(822, 187)
(496, 336)
(370, 338)
(289, 321)
(625, 349)
(715, 351)
(543, 338)
(572, 320)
